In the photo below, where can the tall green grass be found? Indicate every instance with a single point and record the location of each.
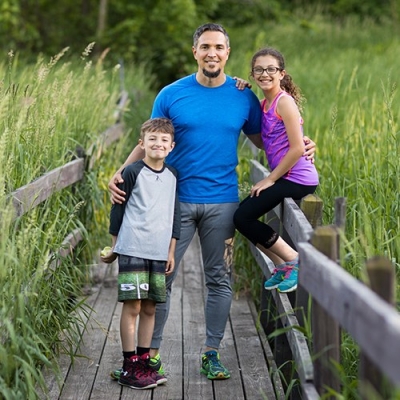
(48, 111)
(347, 72)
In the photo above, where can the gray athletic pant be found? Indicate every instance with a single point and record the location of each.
(214, 224)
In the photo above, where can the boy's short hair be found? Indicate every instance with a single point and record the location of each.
(163, 125)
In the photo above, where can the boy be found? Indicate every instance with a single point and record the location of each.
(144, 231)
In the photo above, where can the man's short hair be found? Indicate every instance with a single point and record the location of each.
(163, 125)
(209, 27)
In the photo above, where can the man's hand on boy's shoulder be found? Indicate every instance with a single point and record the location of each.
(116, 194)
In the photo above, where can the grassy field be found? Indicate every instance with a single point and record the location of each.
(348, 73)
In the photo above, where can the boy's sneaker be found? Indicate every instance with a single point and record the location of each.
(135, 375)
(278, 275)
(211, 366)
(154, 364)
(154, 368)
(289, 283)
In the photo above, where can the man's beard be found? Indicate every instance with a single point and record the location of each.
(209, 74)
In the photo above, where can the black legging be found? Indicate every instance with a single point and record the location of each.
(246, 217)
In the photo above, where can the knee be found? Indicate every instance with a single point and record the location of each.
(148, 308)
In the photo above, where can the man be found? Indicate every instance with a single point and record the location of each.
(208, 113)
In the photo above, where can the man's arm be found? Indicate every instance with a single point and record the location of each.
(310, 148)
(118, 195)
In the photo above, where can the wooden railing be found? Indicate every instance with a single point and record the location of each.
(31, 195)
(327, 300)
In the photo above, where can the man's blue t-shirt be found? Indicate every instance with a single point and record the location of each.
(207, 122)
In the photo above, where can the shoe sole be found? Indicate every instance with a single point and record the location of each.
(221, 376)
(159, 382)
(271, 287)
(292, 289)
(151, 386)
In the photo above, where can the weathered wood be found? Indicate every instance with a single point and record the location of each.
(346, 300)
(381, 279)
(273, 368)
(312, 206)
(248, 346)
(297, 341)
(184, 334)
(67, 247)
(109, 136)
(194, 326)
(29, 196)
(326, 331)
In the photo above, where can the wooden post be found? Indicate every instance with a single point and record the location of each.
(326, 331)
(311, 205)
(381, 279)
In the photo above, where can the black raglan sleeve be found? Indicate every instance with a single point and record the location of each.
(129, 175)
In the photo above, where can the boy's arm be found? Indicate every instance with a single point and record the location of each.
(170, 265)
(110, 256)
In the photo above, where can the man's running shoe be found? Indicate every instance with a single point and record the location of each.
(212, 367)
(278, 274)
(154, 368)
(135, 375)
(116, 374)
(289, 284)
(156, 364)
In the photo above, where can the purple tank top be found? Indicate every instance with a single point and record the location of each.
(276, 145)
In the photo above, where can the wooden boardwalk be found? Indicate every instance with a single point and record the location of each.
(244, 351)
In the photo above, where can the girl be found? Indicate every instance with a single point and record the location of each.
(292, 175)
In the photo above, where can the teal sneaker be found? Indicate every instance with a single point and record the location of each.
(211, 366)
(278, 274)
(289, 283)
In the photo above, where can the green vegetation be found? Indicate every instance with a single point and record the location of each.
(51, 111)
(54, 107)
(347, 74)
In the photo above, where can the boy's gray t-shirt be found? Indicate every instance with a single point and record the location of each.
(150, 216)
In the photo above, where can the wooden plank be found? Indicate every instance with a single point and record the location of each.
(104, 387)
(326, 331)
(382, 280)
(272, 367)
(171, 347)
(29, 196)
(196, 385)
(253, 368)
(55, 379)
(80, 378)
(297, 341)
(67, 247)
(295, 222)
(346, 299)
(231, 388)
(109, 136)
